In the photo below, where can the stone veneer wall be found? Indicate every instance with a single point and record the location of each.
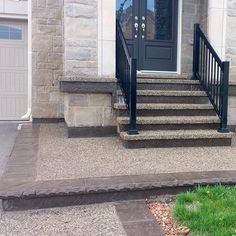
(191, 14)
(204, 15)
(89, 53)
(81, 38)
(230, 53)
(47, 58)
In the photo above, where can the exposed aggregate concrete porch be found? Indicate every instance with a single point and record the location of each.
(63, 158)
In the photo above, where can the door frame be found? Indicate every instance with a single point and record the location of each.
(179, 45)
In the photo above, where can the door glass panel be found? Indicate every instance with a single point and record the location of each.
(124, 13)
(159, 19)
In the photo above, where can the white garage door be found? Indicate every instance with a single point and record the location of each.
(13, 69)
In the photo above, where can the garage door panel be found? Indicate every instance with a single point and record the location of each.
(12, 106)
(13, 57)
(13, 83)
(13, 71)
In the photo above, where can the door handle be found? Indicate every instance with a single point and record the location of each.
(136, 26)
(143, 26)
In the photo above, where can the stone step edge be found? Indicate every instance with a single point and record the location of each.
(153, 120)
(175, 135)
(168, 93)
(21, 192)
(168, 81)
(162, 106)
(163, 76)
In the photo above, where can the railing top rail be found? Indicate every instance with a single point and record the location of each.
(210, 48)
(123, 41)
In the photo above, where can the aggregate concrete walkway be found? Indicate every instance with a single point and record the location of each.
(63, 158)
(92, 220)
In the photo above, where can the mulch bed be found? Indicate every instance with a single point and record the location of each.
(162, 210)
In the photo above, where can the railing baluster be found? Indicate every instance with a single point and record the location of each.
(214, 82)
(203, 69)
(213, 75)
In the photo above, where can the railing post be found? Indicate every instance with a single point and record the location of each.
(196, 48)
(133, 98)
(224, 96)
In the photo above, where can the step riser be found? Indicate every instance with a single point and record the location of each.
(171, 99)
(178, 143)
(193, 112)
(179, 87)
(172, 127)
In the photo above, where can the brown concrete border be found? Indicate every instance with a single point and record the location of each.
(137, 219)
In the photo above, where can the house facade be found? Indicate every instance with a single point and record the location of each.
(72, 67)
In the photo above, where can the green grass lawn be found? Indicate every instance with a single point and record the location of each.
(208, 211)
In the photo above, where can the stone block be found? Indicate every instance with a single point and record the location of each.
(81, 28)
(109, 117)
(100, 100)
(79, 100)
(53, 3)
(76, 10)
(88, 117)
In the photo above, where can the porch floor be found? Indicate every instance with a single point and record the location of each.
(63, 158)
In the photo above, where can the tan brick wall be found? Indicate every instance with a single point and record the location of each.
(47, 63)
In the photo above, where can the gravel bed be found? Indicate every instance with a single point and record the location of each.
(63, 158)
(162, 210)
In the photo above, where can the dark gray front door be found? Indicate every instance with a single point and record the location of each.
(150, 29)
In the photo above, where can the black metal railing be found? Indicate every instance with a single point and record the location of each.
(213, 75)
(126, 74)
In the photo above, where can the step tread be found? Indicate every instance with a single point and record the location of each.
(175, 134)
(145, 120)
(168, 93)
(163, 76)
(167, 81)
(164, 106)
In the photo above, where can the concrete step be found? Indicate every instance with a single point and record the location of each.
(165, 109)
(173, 138)
(168, 84)
(170, 123)
(170, 96)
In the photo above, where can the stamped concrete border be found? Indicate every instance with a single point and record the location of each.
(57, 193)
(137, 219)
(21, 165)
